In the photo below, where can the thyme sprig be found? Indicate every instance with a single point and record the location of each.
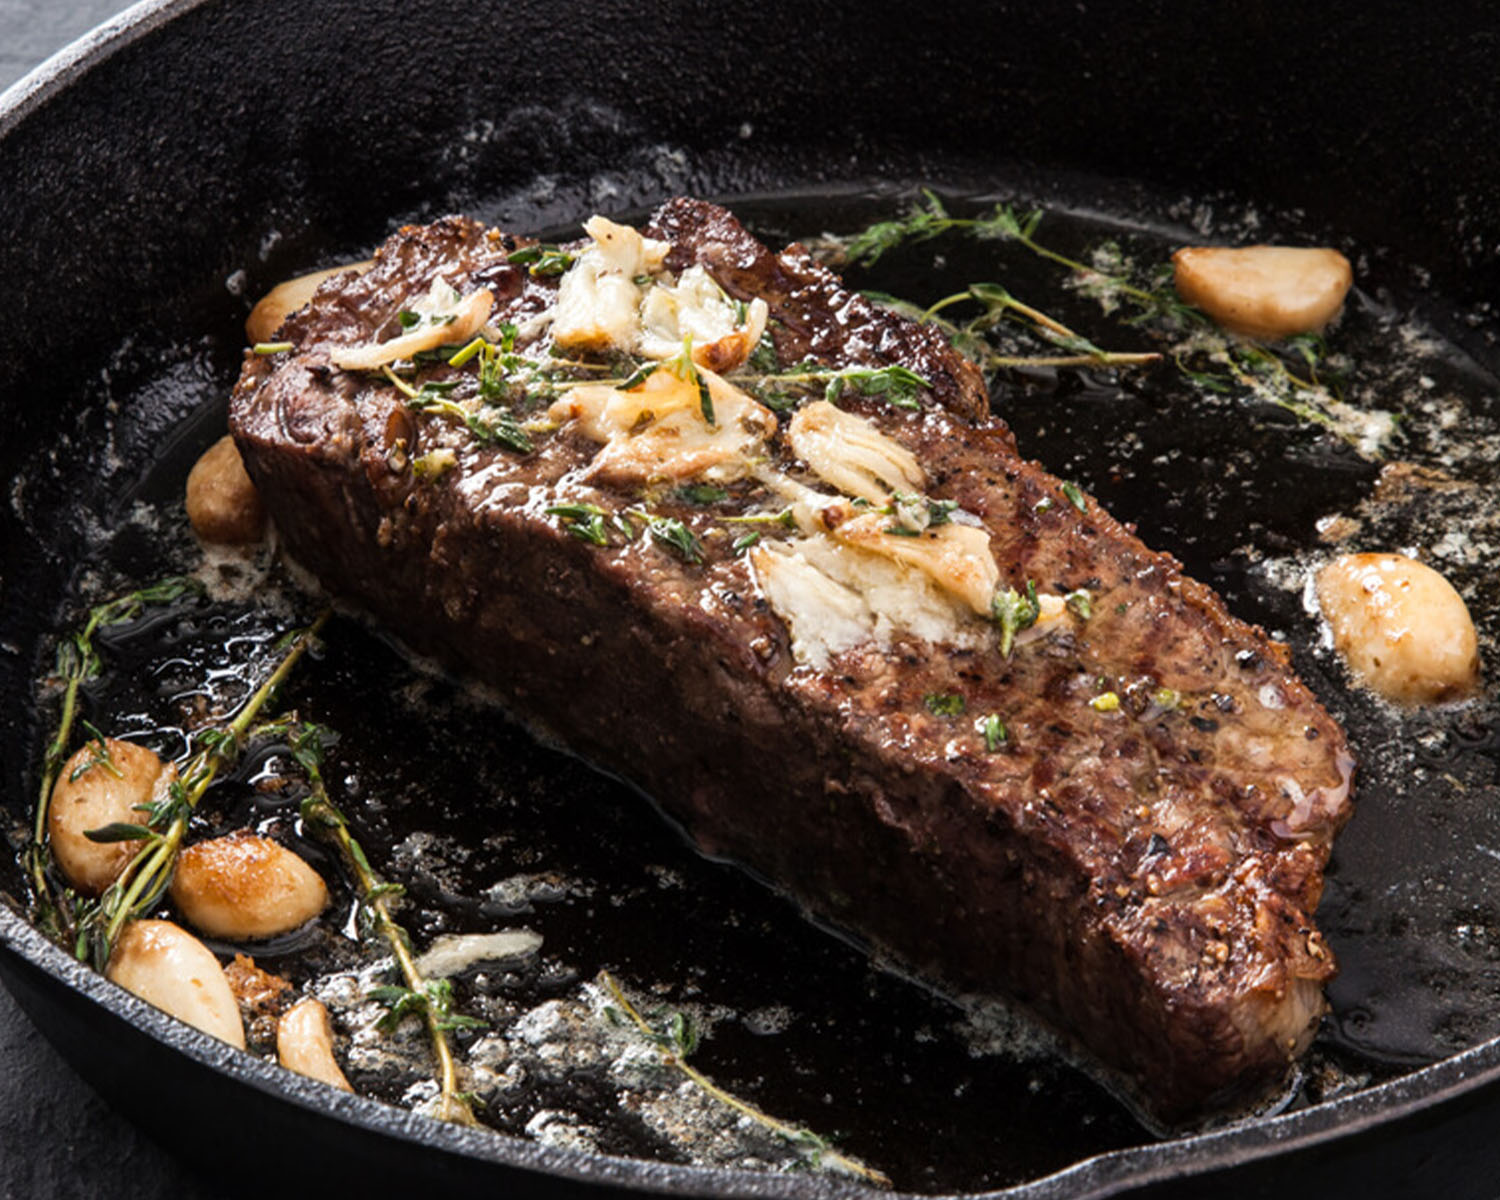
(678, 1038)
(78, 661)
(898, 386)
(998, 303)
(432, 1000)
(141, 885)
(1295, 376)
(927, 218)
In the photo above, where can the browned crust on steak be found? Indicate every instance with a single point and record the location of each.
(1145, 878)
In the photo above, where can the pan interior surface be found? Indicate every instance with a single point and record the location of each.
(484, 827)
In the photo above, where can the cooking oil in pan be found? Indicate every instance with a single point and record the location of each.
(489, 830)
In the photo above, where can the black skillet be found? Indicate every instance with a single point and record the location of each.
(137, 178)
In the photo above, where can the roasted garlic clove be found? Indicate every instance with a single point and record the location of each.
(244, 886)
(599, 299)
(1400, 626)
(956, 558)
(847, 452)
(222, 503)
(443, 318)
(107, 782)
(169, 968)
(1266, 292)
(658, 430)
(304, 1044)
(696, 307)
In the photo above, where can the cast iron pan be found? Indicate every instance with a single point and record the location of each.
(197, 143)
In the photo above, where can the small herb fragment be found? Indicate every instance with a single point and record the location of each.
(434, 1002)
(583, 521)
(267, 348)
(916, 514)
(993, 730)
(497, 428)
(1075, 496)
(944, 704)
(434, 464)
(702, 493)
(1080, 604)
(675, 536)
(1014, 612)
(100, 757)
(541, 260)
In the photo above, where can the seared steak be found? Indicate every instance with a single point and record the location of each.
(1122, 821)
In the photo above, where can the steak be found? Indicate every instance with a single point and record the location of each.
(1116, 808)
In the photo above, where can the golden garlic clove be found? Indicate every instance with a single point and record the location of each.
(104, 783)
(245, 886)
(1400, 626)
(1265, 292)
(222, 502)
(847, 452)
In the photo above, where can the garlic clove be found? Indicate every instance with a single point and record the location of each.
(1265, 292)
(244, 886)
(1401, 627)
(222, 503)
(304, 1044)
(169, 968)
(102, 784)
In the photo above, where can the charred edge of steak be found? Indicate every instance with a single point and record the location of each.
(1143, 878)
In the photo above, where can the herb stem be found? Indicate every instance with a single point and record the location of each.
(318, 810)
(1109, 358)
(795, 1134)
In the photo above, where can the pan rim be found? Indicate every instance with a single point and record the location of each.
(1092, 1178)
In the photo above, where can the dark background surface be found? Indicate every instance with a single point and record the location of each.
(57, 1137)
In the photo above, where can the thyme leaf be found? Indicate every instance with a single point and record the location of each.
(944, 704)
(674, 535)
(583, 521)
(702, 493)
(993, 730)
(541, 260)
(119, 831)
